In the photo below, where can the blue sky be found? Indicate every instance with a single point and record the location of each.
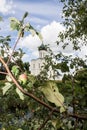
(41, 12)
(44, 15)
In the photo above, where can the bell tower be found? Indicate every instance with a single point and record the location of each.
(42, 51)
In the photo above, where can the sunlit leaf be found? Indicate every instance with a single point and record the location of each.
(27, 26)
(52, 94)
(32, 32)
(14, 24)
(21, 95)
(15, 70)
(40, 36)
(6, 87)
(54, 122)
(62, 109)
(8, 78)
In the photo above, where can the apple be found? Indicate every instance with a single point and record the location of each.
(23, 78)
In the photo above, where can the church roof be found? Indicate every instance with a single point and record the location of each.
(42, 47)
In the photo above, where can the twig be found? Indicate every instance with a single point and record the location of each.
(83, 117)
(14, 48)
(3, 73)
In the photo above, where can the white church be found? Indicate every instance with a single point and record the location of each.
(36, 64)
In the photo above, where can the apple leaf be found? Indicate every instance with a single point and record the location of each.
(25, 15)
(40, 36)
(8, 78)
(21, 95)
(27, 26)
(62, 109)
(53, 95)
(6, 87)
(14, 23)
(15, 70)
(33, 32)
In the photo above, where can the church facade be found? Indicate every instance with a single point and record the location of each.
(36, 64)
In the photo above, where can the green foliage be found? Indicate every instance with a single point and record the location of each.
(19, 25)
(18, 111)
(75, 17)
(6, 87)
(81, 77)
(15, 70)
(21, 95)
(53, 95)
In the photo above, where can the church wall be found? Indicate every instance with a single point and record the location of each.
(36, 66)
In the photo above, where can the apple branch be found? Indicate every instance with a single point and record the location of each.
(3, 73)
(14, 48)
(35, 98)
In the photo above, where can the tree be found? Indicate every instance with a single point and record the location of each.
(81, 77)
(75, 17)
(39, 106)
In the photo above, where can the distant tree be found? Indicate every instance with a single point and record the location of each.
(81, 77)
(75, 17)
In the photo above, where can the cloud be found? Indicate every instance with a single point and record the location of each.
(49, 33)
(83, 52)
(30, 42)
(6, 7)
(38, 20)
(40, 12)
(25, 57)
(39, 8)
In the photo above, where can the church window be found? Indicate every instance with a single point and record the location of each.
(34, 66)
(41, 54)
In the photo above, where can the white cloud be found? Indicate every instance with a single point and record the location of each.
(83, 52)
(38, 20)
(6, 7)
(30, 42)
(50, 36)
(49, 33)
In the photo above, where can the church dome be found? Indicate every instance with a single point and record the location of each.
(42, 47)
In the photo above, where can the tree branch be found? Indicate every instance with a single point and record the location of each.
(3, 73)
(21, 89)
(35, 98)
(14, 48)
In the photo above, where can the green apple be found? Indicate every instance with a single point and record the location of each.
(23, 78)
